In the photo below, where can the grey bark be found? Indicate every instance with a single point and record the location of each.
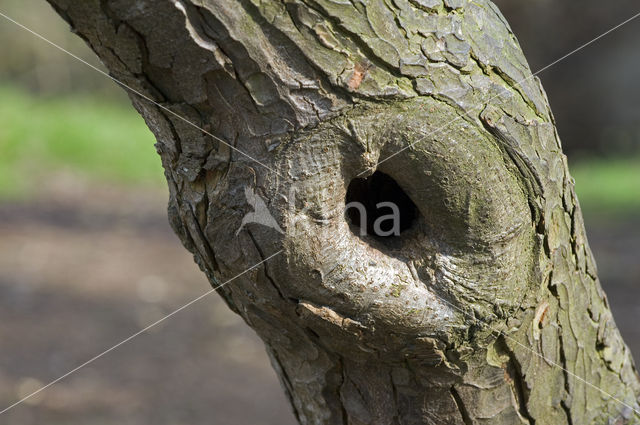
(487, 311)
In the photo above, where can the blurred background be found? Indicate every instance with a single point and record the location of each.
(87, 257)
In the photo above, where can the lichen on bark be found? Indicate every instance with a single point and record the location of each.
(487, 310)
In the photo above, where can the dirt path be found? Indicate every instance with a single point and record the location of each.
(616, 245)
(79, 275)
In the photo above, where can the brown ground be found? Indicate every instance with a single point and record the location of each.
(78, 276)
(83, 268)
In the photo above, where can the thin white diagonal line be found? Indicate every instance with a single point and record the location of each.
(147, 98)
(124, 341)
(540, 355)
(438, 130)
(273, 255)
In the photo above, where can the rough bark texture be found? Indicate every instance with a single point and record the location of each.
(463, 319)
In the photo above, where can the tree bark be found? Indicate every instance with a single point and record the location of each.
(487, 310)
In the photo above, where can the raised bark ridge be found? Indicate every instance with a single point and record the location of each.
(360, 331)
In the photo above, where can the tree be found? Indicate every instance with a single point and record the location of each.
(486, 309)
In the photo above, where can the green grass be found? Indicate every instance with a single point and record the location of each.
(608, 186)
(105, 141)
(109, 142)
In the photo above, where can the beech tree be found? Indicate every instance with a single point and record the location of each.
(484, 309)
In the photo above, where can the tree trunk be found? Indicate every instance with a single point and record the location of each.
(486, 309)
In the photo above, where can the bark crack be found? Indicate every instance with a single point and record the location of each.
(355, 39)
(515, 378)
(462, 409)
(264, 265)
(286, 383)
(343, 380)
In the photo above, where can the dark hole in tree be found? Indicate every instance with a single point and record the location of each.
(363, 200)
